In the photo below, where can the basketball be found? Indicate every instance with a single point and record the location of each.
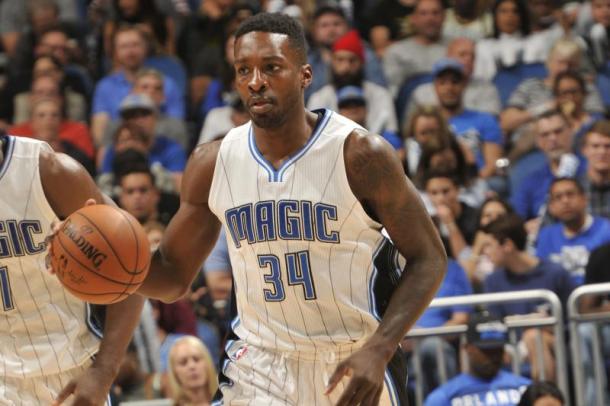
(101, 254)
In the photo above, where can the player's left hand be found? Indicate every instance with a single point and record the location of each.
(366, 369)
(89, 389)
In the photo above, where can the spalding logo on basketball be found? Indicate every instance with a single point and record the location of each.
(101, 254)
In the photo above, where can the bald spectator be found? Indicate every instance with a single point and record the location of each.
(480, 94)
(347, 69)
(417, 54)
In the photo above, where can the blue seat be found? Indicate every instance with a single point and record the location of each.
(507, 79)
(171, 67)
(405, 91)
(603, 85)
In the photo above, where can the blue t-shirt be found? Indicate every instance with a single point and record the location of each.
(572, 253)
(112, 89)
(167, 152)
(476, 128)
(504, 390)
(545, 275)
(530, 193)
(456, 283)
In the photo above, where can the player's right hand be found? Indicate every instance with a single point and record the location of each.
(55, 227)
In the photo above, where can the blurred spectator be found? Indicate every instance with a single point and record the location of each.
(347, 69)
(138, 194)
(425, 129)
(486, 383)
(129, 51)
(140, 110)
(518, 270)
(505, 48)
(154, 232)
(449, 157)
(577, 233)
(455, 283)
(201, 43)
(467, 19)
(220, 120)
(542, 394)
(554, 139)
(473, 259)
(479, 132)
(330, 24)
(534, 96)
(480, 94)
(192, 375)
(45, 124)
(21, 21)
(48, 81)
(352, 103)
(150, 82)
(174, 320)
(159, 26)
(71, 131)
(596, 180)
(220, 84)
(598, 34)
(388, 22)
(416, 55)
(570, 91)
(457, 221)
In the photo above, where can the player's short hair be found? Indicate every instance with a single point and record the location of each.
(574, 181)
(508, 227)
(277, 23)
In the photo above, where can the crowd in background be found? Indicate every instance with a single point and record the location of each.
(498, 110)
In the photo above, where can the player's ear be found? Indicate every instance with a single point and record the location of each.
(306, 75)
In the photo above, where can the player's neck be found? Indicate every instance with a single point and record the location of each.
(278, 144)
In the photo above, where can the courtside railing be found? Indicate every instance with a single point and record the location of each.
(577, 318)
(553, 320)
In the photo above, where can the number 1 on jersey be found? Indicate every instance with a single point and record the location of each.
(298, 271)
(5, 289)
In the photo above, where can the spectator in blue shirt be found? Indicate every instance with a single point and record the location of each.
(570, 241)
(485, 384)
(139, 114)
(517, 270)
(456, 283)
(129, 53)
(479, 133)
(554, 139)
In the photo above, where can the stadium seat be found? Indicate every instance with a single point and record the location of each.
(405, 91)
(507, 79)
(603, 85)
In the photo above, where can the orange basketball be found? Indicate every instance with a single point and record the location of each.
(101, 254)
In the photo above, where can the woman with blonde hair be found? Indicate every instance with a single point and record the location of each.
(192, 375)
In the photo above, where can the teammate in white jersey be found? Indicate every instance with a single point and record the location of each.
(50, 349)
(321, 302)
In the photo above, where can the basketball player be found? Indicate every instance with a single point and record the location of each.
(321, 303)
(49, 346)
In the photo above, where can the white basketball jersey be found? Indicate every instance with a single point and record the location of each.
(303, 250)
(43, 329)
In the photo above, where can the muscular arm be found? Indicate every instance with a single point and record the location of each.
(57, 171)
(377, 179)
(191, 234)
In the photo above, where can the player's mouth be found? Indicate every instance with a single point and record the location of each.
(260, 104)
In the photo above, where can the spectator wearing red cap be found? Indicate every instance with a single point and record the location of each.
(347, 69)
(329, 24)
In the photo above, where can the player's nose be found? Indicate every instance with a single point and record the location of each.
(258, 81)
